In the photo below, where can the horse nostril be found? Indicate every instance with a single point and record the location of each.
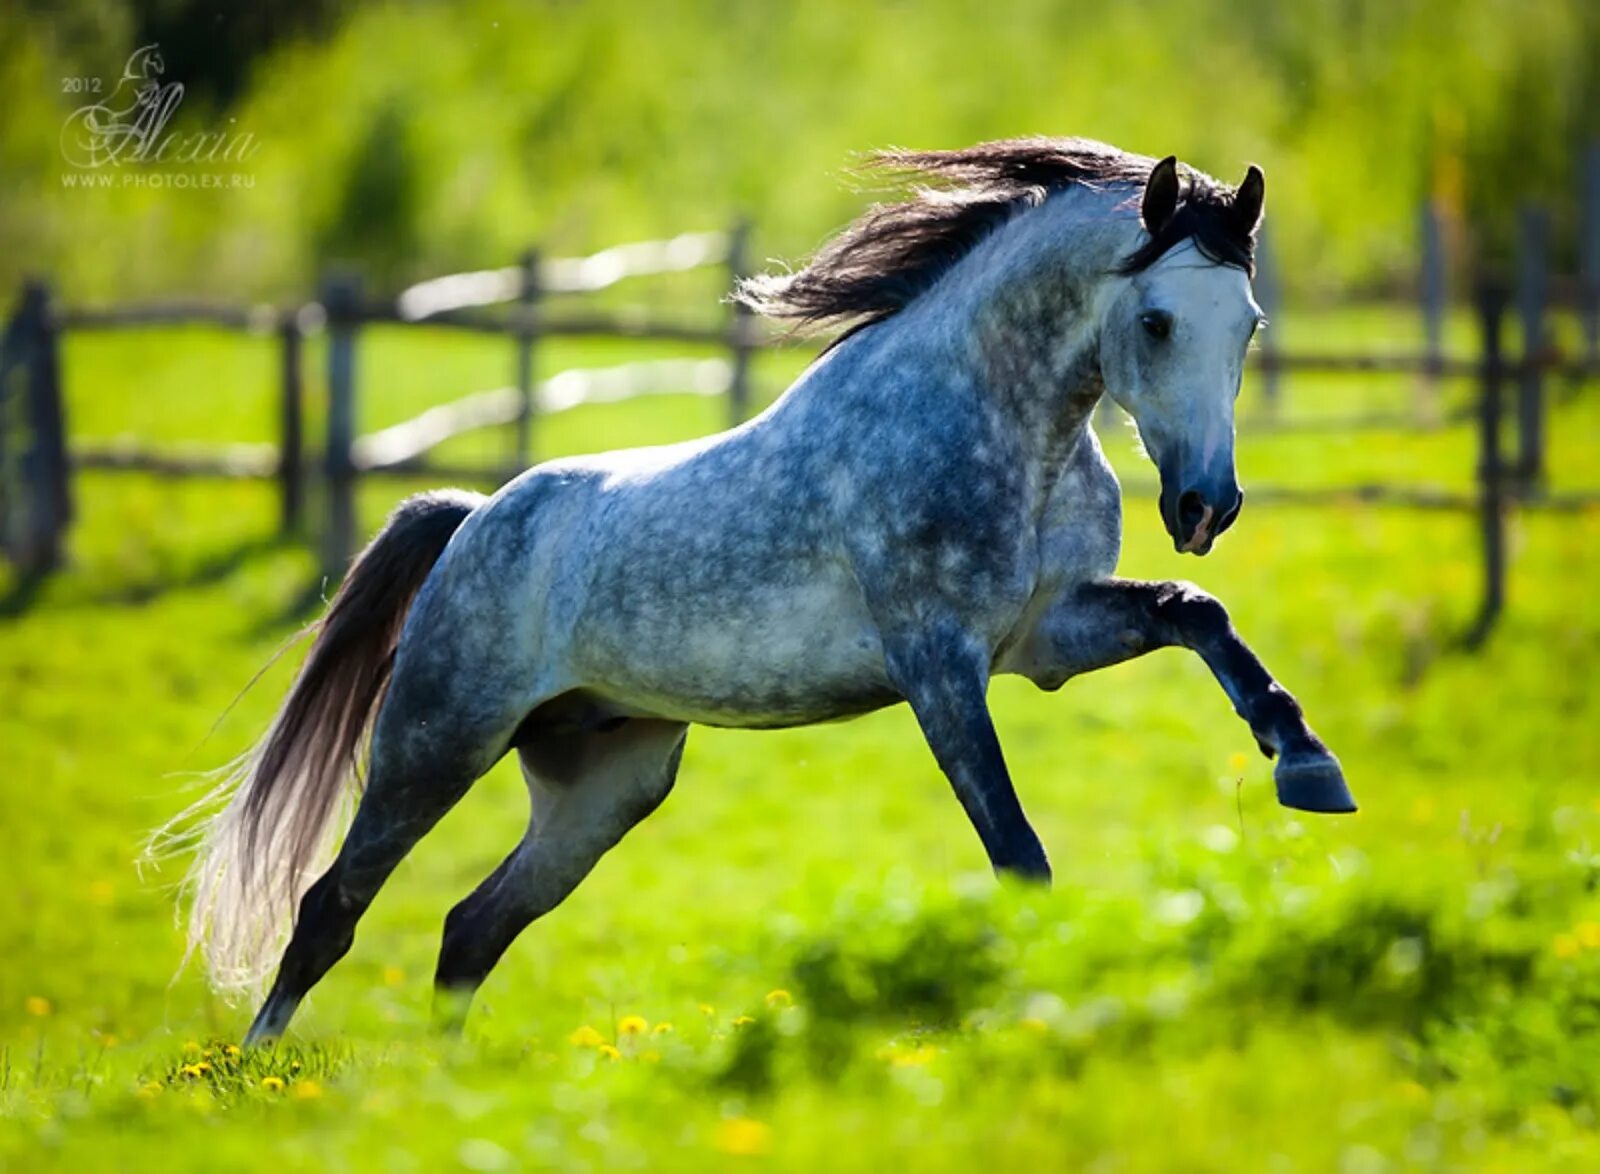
(1228, 518)
(1191, 508)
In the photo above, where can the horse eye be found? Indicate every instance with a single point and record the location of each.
(1156, 323)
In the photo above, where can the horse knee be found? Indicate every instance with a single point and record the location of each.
(1191, 611)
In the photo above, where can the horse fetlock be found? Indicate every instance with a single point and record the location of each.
(1278, 722)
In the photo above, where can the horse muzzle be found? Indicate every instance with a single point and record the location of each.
(1196, 515)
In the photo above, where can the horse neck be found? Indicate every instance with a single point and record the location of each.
(1019, 317)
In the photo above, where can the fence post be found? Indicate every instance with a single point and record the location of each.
(1434, 289)
(1269, 296)
(44, 472)
(1533, 291)
(341, 299)
(526, 327)
(1589, 255)
(10, 363)
(741, 326)
(291, 457)
(1491, 506)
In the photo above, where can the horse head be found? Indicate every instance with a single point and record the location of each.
(1173, 345)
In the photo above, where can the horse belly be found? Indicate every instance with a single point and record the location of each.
(779, 656)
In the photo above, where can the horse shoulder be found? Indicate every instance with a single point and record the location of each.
(937, 523)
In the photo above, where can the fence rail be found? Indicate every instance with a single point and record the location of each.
(259, 319)
(404, 446)
(488, 287)
(227, 462)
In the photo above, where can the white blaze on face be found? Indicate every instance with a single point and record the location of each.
(1213, 317)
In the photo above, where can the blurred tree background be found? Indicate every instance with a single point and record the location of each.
(416, 138)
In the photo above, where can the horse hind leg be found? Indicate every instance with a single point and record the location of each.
(588, 790)
(418, 772)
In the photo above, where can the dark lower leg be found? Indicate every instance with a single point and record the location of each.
(587, 792)
(479, 930)
(1119, 619)
(942, 673)
(323, 933)
(388, 824)
(1272, 713)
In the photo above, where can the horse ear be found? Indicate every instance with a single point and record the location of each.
(1160, 195)
(1249, 199)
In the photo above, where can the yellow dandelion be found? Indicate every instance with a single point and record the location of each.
(307, 1090)
(1588, 933)
(150, 1089)
(743, 1136)
(191, 1046)
(272, 1083)
(189, 1070)
(662, 1028)
(38, 1006)
(707, 1009)
(1237, 761)
(743, 1020)
(609, 1052)
(633, 1025)
(779, 998)
(232, 1050)
(586, 1037)
(1565, 946)
(202, 1068)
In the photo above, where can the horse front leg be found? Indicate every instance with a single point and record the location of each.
(1106, 622)
(943, 672)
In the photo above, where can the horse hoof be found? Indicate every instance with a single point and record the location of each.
(1313, 782)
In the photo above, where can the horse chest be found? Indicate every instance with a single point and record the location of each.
(1080, 528)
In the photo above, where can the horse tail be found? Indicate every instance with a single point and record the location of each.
(281, 804)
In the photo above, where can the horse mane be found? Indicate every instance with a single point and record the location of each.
(896, 251)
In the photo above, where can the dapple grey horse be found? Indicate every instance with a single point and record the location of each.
(926, 507)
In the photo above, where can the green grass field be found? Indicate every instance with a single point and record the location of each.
(801, 961)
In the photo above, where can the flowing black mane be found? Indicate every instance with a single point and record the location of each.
(896, 251)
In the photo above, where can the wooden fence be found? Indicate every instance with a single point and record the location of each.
(514, 302)
(517, 302)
